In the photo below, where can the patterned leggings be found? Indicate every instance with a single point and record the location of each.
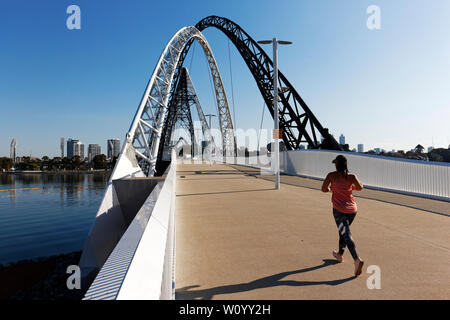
(343, 222)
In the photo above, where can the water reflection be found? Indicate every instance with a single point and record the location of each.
(47, 213)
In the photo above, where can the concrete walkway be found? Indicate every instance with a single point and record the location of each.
(238, 238)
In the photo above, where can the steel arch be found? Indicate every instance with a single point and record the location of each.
(294, 114)
(139, 153)
(179, 110)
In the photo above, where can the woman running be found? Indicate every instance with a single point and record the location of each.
(344, 207)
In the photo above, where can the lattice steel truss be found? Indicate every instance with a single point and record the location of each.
(206, 130)
(179, 111)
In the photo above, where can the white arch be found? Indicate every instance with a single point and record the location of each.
(140, 150)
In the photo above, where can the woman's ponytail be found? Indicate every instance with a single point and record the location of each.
(342, 169)
(341, 165)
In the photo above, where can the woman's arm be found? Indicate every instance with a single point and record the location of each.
(357, 185)
(326, 183)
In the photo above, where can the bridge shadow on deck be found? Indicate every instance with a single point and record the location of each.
(222, 192)
(213, 172)
(186, 293)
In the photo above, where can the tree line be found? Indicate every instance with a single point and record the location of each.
(99, 162)
(438, 154)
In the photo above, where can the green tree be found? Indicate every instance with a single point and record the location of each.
(99, 161)
(45, 163)
(419, 148)
(439, 154)
(55, 163)
(76, 162)
(34, 166)
(66, 163)
(6, 163)
(29, 163)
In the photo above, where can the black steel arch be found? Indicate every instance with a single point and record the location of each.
(298, 123)
(181, 111)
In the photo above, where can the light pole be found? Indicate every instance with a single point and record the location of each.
(276, 131)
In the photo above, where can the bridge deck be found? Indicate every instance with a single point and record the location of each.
(238, 238)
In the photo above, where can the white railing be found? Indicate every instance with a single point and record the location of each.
(424, 178)
(151, 273)
(142, 264)
(262, 161)
(421, 178)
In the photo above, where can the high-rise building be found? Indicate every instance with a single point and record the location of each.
(70, 148)
(113, 148)
(360, 148)
(70, 145)
(430, 149)
(93, 150)
(75, 148)
(78, 149)
(13, 150)
(62, 147)
(341, 139)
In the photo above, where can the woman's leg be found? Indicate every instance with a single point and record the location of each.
(343, 222)
(342, 245)
(338, 218)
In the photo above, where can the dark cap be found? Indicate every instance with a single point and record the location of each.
(340, 159)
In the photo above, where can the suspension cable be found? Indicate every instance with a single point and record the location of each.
(208, 70)
(192, 56)
(260, 126)
(232, 86)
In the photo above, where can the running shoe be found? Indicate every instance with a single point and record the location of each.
(358, 267)
(337, 256)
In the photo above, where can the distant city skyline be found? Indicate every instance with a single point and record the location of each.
(59, 150)
(77, 147)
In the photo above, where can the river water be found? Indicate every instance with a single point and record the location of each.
(46, 214)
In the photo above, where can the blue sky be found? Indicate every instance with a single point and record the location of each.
(386, 88)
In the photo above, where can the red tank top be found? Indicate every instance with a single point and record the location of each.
(342, 197)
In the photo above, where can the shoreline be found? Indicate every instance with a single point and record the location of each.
(42, 278)
(59, 172)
